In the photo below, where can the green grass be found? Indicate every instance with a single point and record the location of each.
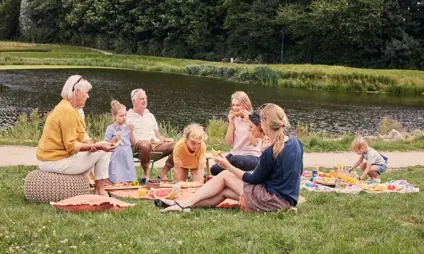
(325, 223)
(28, 130)
(314, 77)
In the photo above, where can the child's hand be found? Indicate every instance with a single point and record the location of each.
(231, 116)
(245, 114)
(116, 138)
(350, 169)
(131, 128)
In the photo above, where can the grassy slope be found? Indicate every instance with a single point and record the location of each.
(326, 223)
(306, 76)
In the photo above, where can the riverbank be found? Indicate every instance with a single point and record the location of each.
(27, 131)
(313, 77)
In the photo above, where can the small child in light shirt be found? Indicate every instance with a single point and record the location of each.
(375, 163)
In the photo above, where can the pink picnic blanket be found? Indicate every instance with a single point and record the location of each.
(186, 194)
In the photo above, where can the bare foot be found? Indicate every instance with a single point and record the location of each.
(108, 183)
(103, 193)
(176, 208)
(119, 184)
(163, 177)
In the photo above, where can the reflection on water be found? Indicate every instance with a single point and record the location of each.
(182, 99)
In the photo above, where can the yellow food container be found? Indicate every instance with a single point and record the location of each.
(142, 192)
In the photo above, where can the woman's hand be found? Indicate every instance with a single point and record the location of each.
(222, 162)
(105, 146)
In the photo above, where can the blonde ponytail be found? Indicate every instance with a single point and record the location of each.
(115, 107)
(275, 118)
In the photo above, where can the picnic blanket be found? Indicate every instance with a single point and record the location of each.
(394, 186)
(185, 194)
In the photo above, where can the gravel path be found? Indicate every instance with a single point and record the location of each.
(24, 155)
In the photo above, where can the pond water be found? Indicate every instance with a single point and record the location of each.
(182, 99)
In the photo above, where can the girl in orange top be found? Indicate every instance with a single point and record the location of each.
(190, 154)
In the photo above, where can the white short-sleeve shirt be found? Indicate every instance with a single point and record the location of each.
(144, 125)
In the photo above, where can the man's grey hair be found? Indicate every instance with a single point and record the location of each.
(135, 91)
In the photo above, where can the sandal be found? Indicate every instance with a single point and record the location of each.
(160, 204)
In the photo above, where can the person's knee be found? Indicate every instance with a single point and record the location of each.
(170, 148)
(226, 174)
(236, 161)
(143, 146)
(363, 166)
(215, 170)
(244, 163)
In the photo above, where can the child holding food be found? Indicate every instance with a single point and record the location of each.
(246, 148)
(121, 167)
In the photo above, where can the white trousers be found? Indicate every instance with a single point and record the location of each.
(80, 163)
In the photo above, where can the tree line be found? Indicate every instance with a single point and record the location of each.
(359, 33)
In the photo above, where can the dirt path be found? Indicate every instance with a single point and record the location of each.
(23, 155)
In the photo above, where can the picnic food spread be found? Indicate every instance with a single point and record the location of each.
(165, 193)
(344, 182)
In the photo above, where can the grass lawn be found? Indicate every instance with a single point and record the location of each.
(325, 223)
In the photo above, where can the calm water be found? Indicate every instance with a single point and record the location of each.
(182, 99)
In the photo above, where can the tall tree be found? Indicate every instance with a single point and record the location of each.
(25, 21)
(334, 32)
(9, 18)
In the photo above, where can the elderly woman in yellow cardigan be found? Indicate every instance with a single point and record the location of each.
(64, 146)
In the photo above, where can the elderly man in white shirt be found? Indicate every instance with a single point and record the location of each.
(147, 136)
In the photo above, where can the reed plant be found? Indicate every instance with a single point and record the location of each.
(167, 130)
(97, 124)
(387, 124)
(216, 131)
(28, 129)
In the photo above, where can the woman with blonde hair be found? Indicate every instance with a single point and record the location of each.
(64, 146)
(190, 154)
(273, 185)
(246, 148)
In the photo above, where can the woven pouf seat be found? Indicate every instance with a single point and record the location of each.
(44, 187)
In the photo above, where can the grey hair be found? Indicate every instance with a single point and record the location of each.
(74, 82)
(135, 91)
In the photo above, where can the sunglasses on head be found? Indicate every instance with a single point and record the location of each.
(263, 106)
(135, 91)
(73, 87)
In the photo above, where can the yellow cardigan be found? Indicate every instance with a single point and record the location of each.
(63, 134)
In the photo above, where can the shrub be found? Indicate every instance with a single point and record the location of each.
(387, 124)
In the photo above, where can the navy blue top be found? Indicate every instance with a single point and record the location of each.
(281, 175)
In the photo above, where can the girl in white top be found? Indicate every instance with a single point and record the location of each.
(246, 149)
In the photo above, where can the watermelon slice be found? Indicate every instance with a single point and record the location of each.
(165, 193)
